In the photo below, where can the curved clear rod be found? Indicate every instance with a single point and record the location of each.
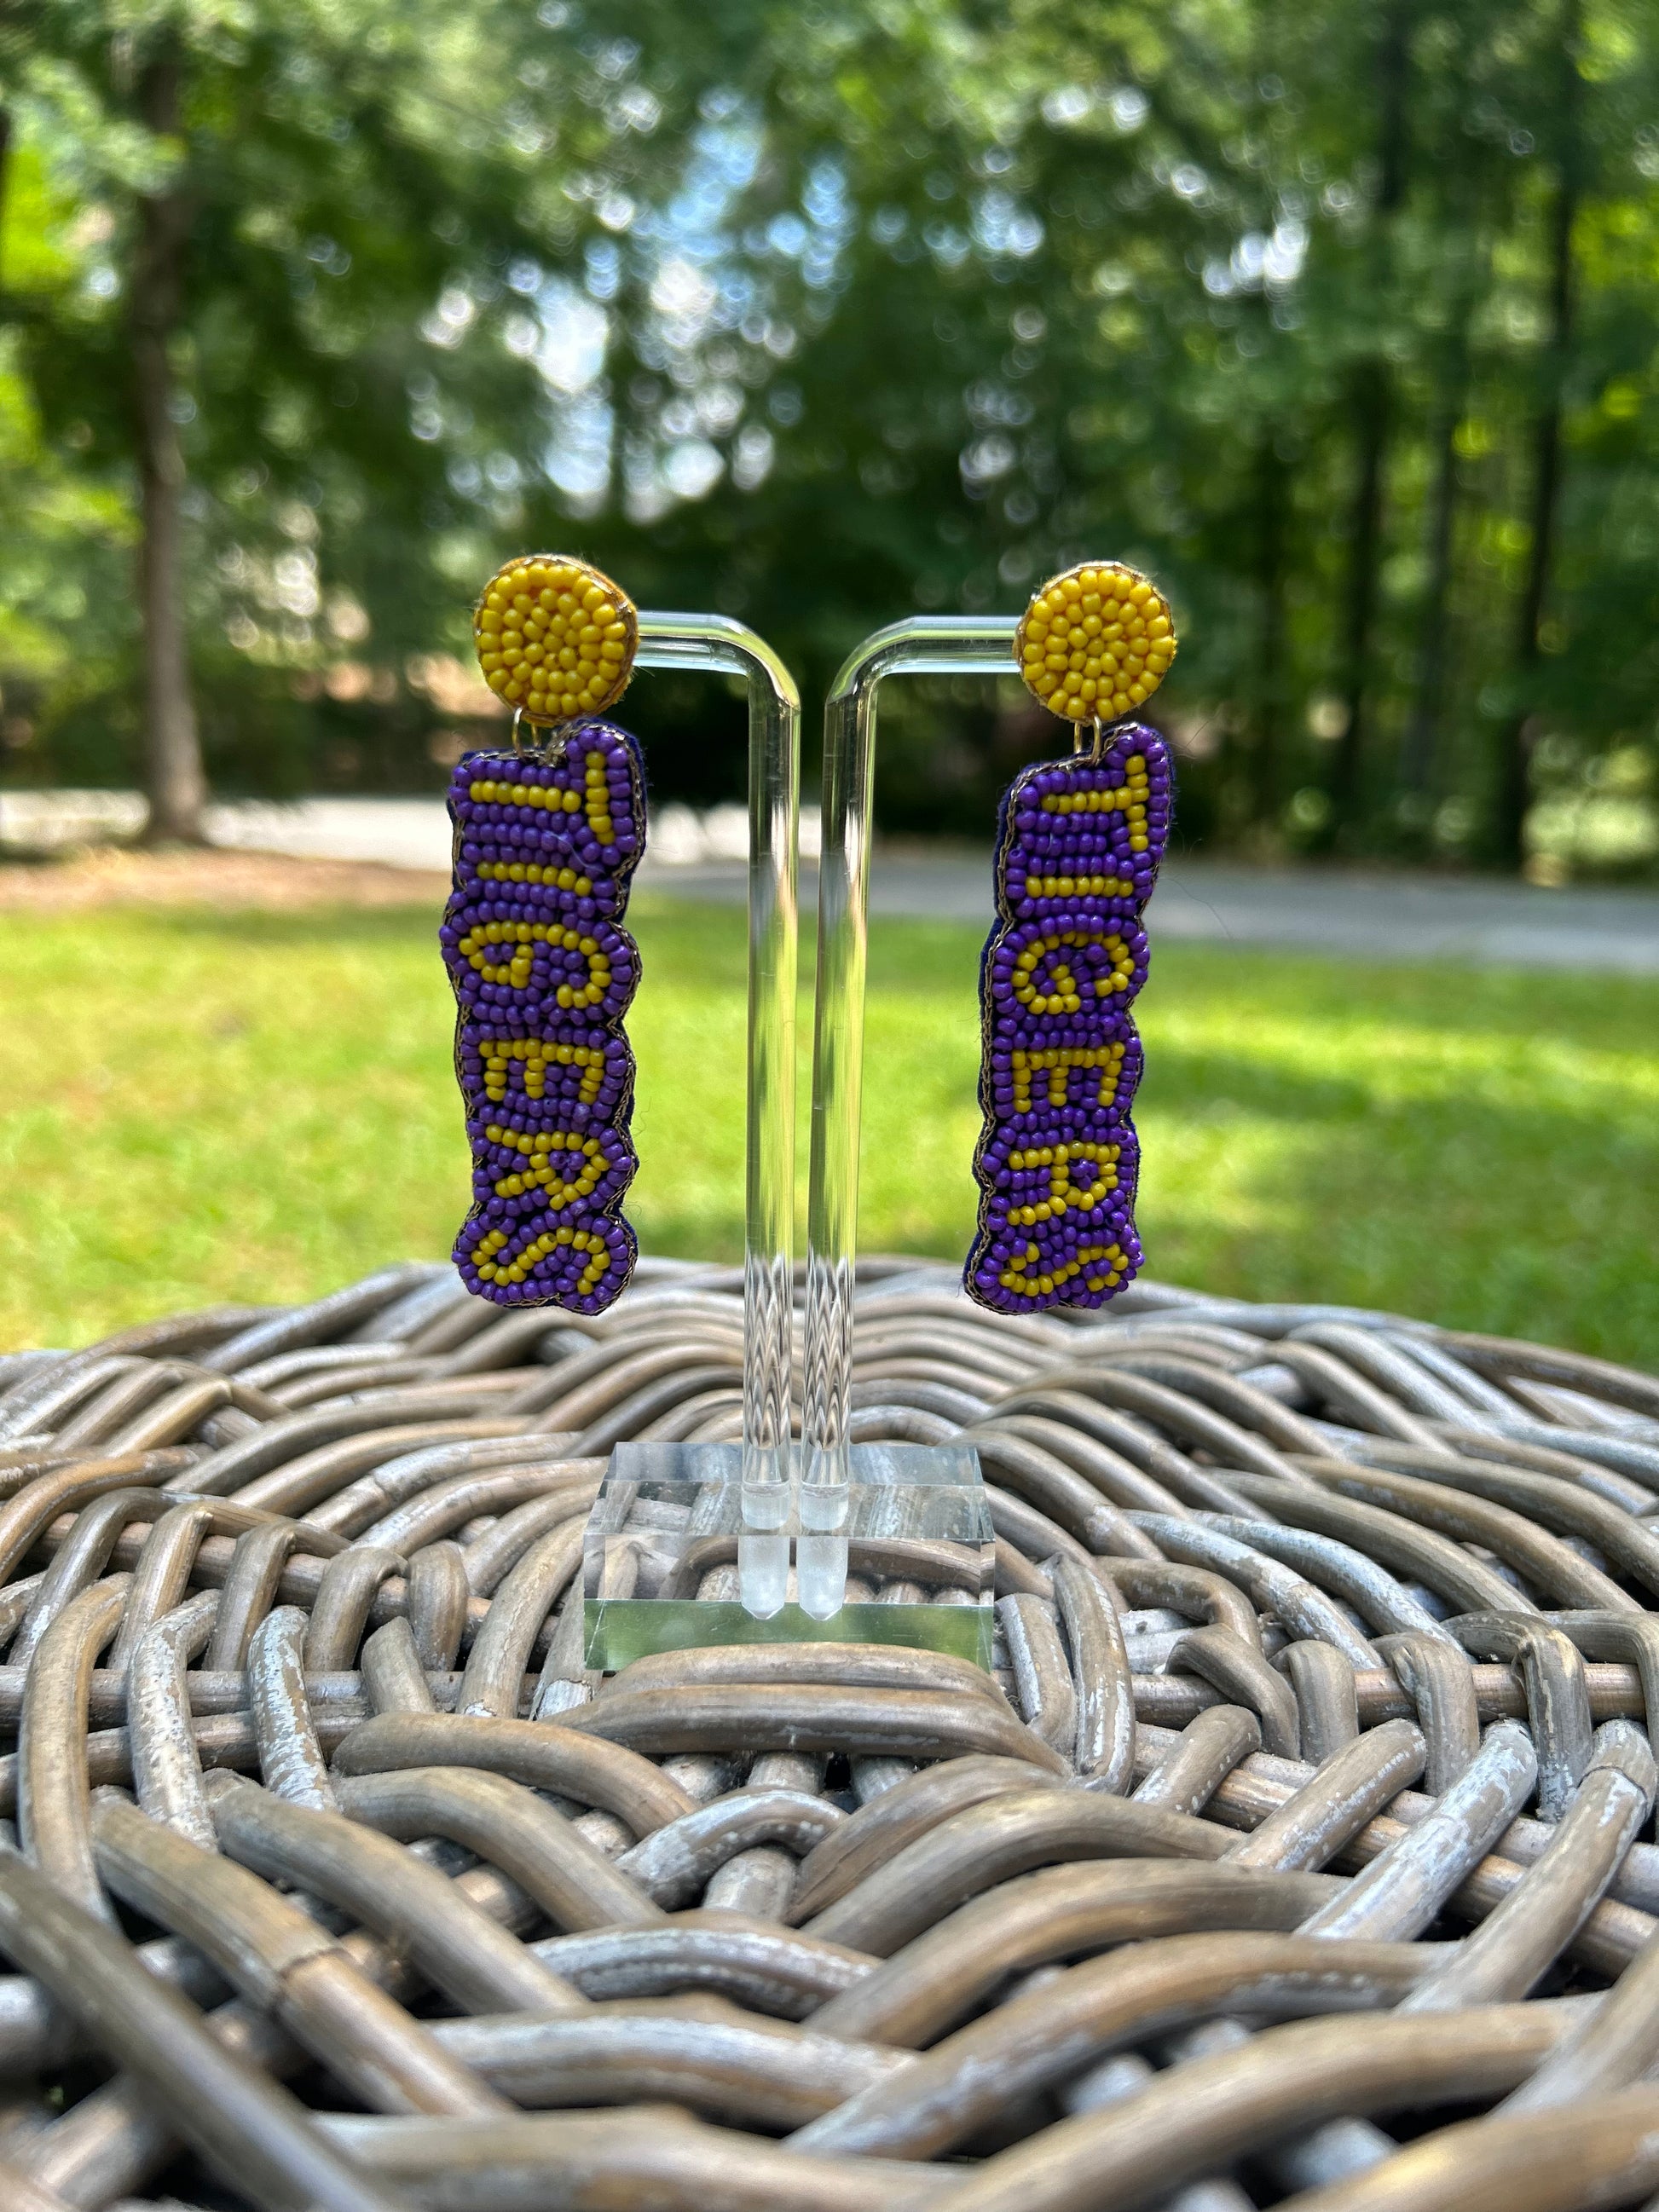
(713, 643)
(926, 645)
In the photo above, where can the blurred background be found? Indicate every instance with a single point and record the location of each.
(1338, 318)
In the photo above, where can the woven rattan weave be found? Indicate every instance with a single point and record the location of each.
(1293, 1853)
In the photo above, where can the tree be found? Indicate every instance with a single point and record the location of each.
(1373, 412)
(281, 194)
(1510, 814)
(817, 314)
(178, 787)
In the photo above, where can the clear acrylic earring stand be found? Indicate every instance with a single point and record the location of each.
(661, 1505)
(910, 1520)
(835, 1473)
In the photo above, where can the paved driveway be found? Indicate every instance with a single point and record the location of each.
(1351, 914)
(1359, 915)
(1343, 915)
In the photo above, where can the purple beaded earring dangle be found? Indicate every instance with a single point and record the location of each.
(1077, 848)
(546, 838)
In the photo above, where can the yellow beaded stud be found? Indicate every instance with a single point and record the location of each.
(556, 637)
(1095, 642)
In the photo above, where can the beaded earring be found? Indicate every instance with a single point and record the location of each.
(546, 837)
(1079, 844)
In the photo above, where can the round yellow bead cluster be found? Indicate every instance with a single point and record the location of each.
(1095, 642)
(555, 638)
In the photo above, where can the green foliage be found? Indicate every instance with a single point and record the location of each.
(818, 315)
(257, 1106)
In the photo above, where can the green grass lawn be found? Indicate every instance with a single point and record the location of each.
(261, 1106)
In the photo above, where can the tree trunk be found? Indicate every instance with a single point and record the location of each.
(5, 156)
(1271, 703)
(1418, 753)
(1373, 410)
(1514, 738)
(176, 786)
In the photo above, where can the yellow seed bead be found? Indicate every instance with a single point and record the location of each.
(539, 617)
(1086, 643)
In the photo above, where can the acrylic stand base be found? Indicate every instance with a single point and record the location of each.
(659, 1567)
